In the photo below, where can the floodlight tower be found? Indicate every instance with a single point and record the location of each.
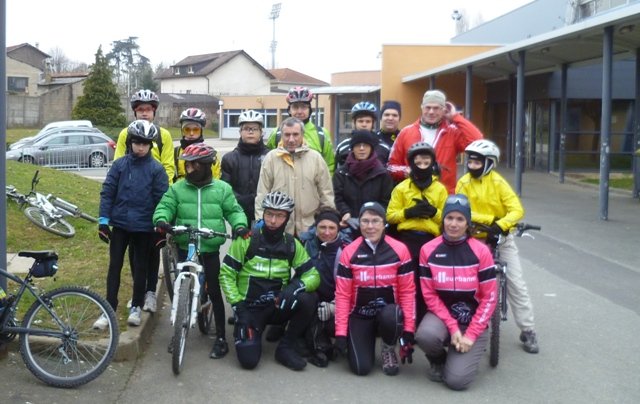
(275, 13)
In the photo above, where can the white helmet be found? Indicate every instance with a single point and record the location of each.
(251, 116)
(488, 150)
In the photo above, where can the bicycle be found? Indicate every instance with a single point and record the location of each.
(47, 211)
(191, 302)
(58, 342)
(500, 313)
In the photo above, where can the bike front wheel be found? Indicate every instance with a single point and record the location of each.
(181, 325)
(62, 348)
(56, 226)
(169, 267)
(205, 314)
(494, 340)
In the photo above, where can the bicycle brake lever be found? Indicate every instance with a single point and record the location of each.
(525, 234)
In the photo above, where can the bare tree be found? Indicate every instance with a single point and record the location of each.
(127, 63)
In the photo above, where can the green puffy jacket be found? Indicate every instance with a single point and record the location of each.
(262, 276)
(208, 207)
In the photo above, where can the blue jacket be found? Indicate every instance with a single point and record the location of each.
(131, 191)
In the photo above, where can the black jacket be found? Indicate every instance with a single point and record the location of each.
(350, 194)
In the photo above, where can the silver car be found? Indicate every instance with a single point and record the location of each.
(79, 148)
(28, 141)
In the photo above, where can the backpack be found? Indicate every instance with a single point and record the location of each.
(253, 248)
(320, 137)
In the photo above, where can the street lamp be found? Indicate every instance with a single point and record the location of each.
(220, 120)
(275, 13)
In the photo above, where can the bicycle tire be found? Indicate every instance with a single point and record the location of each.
(181, 326)
(80, 356)
(494, 341)
(205, 314)
(59, 227)
(169, 267)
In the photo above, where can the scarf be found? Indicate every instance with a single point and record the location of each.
(361, 169)
(250, 148)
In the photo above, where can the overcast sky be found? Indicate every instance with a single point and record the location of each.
(314, 37)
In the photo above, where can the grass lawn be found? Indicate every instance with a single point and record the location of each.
(621, 181)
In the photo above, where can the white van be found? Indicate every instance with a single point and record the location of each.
(58, 124)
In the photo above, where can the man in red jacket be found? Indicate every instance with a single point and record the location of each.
(442, 127)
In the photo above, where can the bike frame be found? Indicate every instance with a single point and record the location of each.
(191, 268)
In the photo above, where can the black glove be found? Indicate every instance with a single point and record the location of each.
(164, 227)
(406, 347)
(422, 208)
(104, 232)
(159, 240)
(340, 346)
(289, 295)
(242, 232)
(244, 322)
(495, 229)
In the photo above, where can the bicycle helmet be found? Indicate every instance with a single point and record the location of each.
(142, 130)
(486, 149)
(193, 115)
(200, 152)
(299, 94)
(420, 148)
(278, 201)
(364, 108)
(251, 116)
(144, 97)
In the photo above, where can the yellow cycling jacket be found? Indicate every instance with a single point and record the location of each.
(166, 159)
(402, 198)
(491, 197)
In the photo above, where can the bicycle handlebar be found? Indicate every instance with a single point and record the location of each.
(522, 227)
(201, 231)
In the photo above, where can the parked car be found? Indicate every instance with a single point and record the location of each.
(27, 141)
(81, 148)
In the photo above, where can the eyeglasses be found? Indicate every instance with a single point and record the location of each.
(250, 129)
(457, 199)
(374, 222)
(273, 215)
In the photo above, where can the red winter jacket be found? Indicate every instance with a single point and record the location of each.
(451, 139)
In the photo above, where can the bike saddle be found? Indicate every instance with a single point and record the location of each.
(39, 255)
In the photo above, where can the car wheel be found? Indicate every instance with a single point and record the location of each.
(28, 160)
(97, 160)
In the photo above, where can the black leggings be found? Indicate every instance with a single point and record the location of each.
(361, 335)
(140, 247)
(154, 266)
(211, 264)
(249, 351)
(414, 242)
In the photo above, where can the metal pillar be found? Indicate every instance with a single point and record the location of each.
(432, 82)
(519, 121)
(3, 140)
(553, 136)
(468, 93)
(509, 145)
(563, 122)
(605, 125)
(636, 136)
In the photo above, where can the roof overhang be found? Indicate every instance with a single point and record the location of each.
(574, 45)
(337, 90)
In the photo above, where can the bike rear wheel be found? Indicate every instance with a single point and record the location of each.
(494, 341)
(56, 226)
(205, 314)
(170, 267)
(63, 349)
(181, 325)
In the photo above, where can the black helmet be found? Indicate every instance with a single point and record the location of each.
(364, 108)
(420, 148)
(142, 130)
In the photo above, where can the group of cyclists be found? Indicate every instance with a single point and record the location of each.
(389, 252)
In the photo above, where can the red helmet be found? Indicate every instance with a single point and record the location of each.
(200, 152)
(299, 94)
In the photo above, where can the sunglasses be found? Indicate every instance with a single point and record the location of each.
(457, 199)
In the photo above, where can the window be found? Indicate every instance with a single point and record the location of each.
(176, 70)
(56, 141)
(190, 69)
(17, 84)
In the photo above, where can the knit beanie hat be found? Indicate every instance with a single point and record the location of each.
(391, 104)
(435, 97)
(457, 203)
(328, 214)
(363, 136)
(375, 208)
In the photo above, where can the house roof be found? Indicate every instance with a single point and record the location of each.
(204, 65)
(26, 45)
(32, 57)
(286, 75)
(345, 89)
(171, 98)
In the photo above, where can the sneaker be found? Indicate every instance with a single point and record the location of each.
(389, 360)
(129, 304)
(134, 316)
(101, 323)
(150, 302)
(530, 341)
(286, 355)
(435, 372)
(220, 349)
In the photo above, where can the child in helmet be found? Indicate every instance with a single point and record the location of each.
(495, 204)
(192, 122)
(132, 189)
(241, 167)
(416, 207)
(201, 201)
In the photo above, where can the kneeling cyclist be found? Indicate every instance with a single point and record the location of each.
(260, 297)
